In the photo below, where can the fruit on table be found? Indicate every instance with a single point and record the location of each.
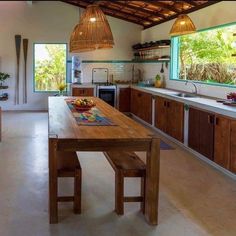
(231, 96)
(84, 102)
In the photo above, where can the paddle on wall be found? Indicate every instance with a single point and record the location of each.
(18, 45)
(25, 50)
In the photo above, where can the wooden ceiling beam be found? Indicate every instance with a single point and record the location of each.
(183, 12)
(191, 3)
(84, 5)
(139, 18)
(165, 6)
(139, 9)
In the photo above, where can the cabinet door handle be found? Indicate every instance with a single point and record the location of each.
(216, 121)
(168, 104)
(164, 103)
(210, 119)
(139, 94)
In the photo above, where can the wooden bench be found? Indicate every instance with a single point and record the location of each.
(126, 164)
(69, 166)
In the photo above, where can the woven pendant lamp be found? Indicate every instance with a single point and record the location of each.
(183, 25)
(93, 31)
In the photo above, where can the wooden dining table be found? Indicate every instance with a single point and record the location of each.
(127, 135)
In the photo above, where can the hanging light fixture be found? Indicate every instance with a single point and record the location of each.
(93, 31)
(182, 25)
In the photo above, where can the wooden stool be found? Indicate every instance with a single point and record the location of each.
(126, 164)
(69, 166)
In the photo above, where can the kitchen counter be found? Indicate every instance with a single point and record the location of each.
(84, 85)
(90, 85)
(201, 102)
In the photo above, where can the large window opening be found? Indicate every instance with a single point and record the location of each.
(207, 56)
(49, 66)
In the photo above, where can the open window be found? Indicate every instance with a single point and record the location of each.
(49, 66)
(207, 56)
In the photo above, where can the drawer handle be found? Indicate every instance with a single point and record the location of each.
(210, 119)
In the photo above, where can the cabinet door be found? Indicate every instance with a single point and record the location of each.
(145, 107)
(233, 147)
(222, 141)
(193, 129)
(85, 92)
(175, 120)
(134, 102)
(206, 134)
(160, 113)
(124, 99)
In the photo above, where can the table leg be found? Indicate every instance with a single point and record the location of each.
(52, 155)
(152, 182)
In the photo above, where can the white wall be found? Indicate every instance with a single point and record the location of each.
(49, 22)
(217, 14)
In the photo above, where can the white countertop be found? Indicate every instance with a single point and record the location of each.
(199, 102)
(90, 85)
(84, 85)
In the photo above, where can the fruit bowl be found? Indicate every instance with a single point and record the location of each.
(83, 108)
(83, 104)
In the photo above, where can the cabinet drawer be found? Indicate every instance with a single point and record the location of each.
(82, 92)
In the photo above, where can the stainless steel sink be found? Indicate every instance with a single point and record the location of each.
(185, 95)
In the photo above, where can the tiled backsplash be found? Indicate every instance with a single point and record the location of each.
(123, 71)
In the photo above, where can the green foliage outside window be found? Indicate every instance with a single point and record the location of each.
(49, 66)
(207, 56)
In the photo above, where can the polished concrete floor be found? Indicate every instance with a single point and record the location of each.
(195, 199)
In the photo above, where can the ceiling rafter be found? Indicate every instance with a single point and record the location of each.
(151, 13)
(208, 3)
(145, 13)
(165, 6)
(84, 5)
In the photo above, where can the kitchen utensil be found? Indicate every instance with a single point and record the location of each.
(18, 45)
(25, 50)
(162, 68)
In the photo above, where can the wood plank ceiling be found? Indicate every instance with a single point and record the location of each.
(145, 13)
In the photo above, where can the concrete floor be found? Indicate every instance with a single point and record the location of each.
(195, 199)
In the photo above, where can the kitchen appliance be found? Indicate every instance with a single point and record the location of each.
(104, 90)
(76, 77)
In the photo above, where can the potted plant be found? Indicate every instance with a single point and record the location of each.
(3, 77)
(61, 88)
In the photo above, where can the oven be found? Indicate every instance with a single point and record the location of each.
(107, 93)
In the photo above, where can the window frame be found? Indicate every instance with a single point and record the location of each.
(174, 64)
(66, 78)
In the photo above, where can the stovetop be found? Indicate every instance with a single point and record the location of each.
(103, 84)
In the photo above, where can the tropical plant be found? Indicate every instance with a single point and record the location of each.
(3, 76)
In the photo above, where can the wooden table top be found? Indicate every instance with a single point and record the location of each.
(62, 124)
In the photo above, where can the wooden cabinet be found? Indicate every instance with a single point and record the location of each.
(83, 92)
(201, 132)
(160, 113)
(233, 146)
(169, 117)
(222, 141)
(124, 99)
(141, 105)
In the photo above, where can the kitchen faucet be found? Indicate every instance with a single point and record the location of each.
(195, 86)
